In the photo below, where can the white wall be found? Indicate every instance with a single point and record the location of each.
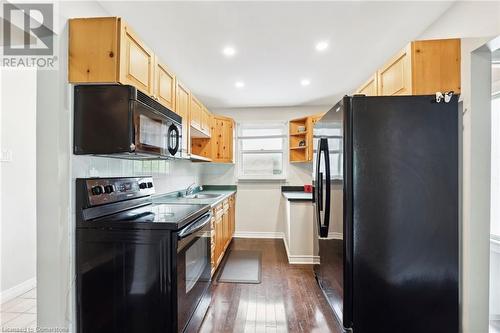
(18, 187)
(476, 23)
(258, 204)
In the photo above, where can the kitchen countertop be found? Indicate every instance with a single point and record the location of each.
(295, 193)
(176, 197)
(297, 196)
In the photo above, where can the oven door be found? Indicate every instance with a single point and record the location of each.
(193, 268)
(151, 130)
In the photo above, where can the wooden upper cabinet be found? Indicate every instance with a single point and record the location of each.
(93, 50)
(205, 121)
(222, 139)
(164, 86)
(196, 110)
(394, 78)
(422, 68)
(136, 61)
(370, 87)
(182, 100)
(436, 66)
(107, 50)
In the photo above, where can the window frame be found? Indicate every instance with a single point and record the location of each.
(240, 151)
(340, 151)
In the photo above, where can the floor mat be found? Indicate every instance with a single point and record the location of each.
(242, 267)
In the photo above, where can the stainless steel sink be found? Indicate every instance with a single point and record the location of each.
(202, 196)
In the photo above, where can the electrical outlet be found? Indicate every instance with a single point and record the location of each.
(6, 155)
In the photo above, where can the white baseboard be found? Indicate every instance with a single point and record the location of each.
(258, 234)
(335, 235)
(18, 290)
(298, 259)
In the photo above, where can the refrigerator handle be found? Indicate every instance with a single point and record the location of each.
(326, 153)
(320, 191)
(320, 206)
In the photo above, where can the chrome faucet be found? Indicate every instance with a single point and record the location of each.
(190, 190)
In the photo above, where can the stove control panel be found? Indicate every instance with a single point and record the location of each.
(108, 190)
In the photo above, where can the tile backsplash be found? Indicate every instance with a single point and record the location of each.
(168, 176)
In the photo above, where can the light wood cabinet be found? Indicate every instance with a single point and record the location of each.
(107, 50)
(219, 240)
(136, 61)
(222, 139)
(200, 119)
(370, 87)
(232, 215)
(394, 78)
(182, 100)
(196, 110)
(421, 68)
(300, 138)
(219, 146)
(223, 227)
(205, 121)
(436, 66)
(94, 59)
(165, 85)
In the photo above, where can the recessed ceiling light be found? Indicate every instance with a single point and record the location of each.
(305, 82)
(321, 46)
(239, 84)
(229, 51)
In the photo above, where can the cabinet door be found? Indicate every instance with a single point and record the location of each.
(136, 61)
(370, 87)
(205, 121)
(232, 216)
(395, 77)
(182, 108)
(164, 86)
(228, 140)
(196, 110)
(223, 139)
(436, 66)
(225, 223)
(219, 236)
(92, 59)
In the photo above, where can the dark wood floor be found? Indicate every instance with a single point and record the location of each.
(287, 300)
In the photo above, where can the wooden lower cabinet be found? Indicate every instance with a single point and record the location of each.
(223, 226)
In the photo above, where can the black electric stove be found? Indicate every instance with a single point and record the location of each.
(140, 266)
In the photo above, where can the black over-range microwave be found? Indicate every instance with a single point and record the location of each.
(121, 121)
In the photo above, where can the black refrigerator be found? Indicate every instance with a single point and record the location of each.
(392, 264)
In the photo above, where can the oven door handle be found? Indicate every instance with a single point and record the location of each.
(195, 226)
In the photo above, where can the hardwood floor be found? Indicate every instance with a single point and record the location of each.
(287, 300)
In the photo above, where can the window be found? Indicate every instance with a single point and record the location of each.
(261, 151)
(335, 148)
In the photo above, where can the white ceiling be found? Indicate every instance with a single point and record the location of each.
(275, 43)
